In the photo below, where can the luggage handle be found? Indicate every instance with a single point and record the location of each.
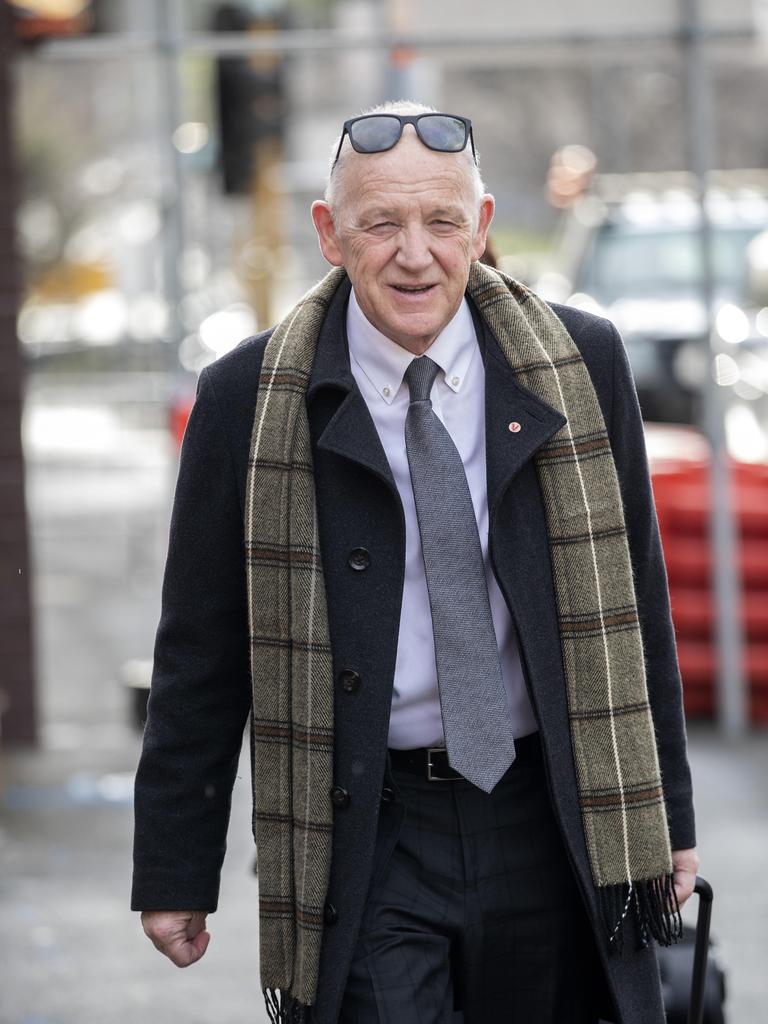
(700, 951)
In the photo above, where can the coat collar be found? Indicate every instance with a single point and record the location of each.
(352, 434)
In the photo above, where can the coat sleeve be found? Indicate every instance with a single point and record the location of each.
(200, 692)
(652, 592)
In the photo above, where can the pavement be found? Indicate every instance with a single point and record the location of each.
(99, 491)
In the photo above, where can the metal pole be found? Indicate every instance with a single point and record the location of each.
(235, 44)
(731, 692)
(170, 29)
(18, 708)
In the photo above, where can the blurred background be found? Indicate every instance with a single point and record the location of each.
(157, 162)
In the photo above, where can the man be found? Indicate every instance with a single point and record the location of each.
(447, 612)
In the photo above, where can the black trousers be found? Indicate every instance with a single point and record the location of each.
(472, 906)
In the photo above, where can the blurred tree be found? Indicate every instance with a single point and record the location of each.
(17, 696)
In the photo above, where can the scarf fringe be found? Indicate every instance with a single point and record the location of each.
(653, 905)
(282, 1008)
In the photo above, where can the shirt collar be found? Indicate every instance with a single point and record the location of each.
(384, 362)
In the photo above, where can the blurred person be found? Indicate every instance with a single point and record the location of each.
(414, 538)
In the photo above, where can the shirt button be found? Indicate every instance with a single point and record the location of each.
(359, 559)
(455, 381)
(386, 392)
(330, 914)
(350, 680)
(387, 795)
(339, 797)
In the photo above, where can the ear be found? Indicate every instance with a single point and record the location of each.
(326, 233)
(487, 206)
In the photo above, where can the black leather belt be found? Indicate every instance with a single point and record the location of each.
(431, 763)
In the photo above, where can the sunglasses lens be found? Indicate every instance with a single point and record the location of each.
(439, 131)
(374, 134)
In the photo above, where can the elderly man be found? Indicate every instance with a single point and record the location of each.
(414, 537)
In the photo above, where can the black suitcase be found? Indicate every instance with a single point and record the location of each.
(693, 983)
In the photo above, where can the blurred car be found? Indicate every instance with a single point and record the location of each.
(630, 250)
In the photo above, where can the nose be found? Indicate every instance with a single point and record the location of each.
(413, 251)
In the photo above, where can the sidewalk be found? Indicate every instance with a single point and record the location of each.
(731, 793)
(72, 953)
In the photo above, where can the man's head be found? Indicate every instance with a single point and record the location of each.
(406, 224)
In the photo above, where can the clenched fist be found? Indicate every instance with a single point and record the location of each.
(685, 864)
(180, 934)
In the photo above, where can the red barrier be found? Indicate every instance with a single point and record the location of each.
(681, 490)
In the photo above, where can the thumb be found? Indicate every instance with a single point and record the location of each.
(198, 937)
(193, 943)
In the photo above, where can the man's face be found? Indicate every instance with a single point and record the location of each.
(406, 228)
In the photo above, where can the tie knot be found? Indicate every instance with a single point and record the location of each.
(420, 376)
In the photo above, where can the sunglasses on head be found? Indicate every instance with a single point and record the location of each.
(376, 133)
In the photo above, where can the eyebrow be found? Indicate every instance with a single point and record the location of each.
(389, 213)
(377, 212)
(457, 212)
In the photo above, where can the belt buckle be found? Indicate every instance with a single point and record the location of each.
(431, 771)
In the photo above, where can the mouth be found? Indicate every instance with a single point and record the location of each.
(410, 289)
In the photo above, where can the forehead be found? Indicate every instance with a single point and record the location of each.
(408, 172)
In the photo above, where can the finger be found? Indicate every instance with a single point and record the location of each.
(195, 924)
(684, 883)
(200, 943)
(182, 938)
(182, 951)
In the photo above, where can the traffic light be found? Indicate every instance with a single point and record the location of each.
(251, 99)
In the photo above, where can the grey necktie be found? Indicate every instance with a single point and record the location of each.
(476, 718)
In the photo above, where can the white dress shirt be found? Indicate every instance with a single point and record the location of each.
(458, 398)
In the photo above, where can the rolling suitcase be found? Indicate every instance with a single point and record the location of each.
(693, 983)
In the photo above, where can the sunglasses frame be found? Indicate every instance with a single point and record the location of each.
(405, 119)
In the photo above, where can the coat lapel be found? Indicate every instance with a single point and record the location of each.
(508, 402)
(348, 430)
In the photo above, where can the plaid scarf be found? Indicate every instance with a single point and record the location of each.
(619, 784)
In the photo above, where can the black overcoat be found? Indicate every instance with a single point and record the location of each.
(201, 692)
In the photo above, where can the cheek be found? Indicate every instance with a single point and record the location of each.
(456, 254)
(366, 258)
(456, 263)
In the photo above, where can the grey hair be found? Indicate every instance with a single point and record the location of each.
(335, 179)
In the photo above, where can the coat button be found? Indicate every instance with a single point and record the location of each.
(350, 680)
(359, 559)
(330, 914)
(339, 797)
(387, 795)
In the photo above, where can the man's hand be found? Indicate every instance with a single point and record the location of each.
(685, 865)
(180, 934)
